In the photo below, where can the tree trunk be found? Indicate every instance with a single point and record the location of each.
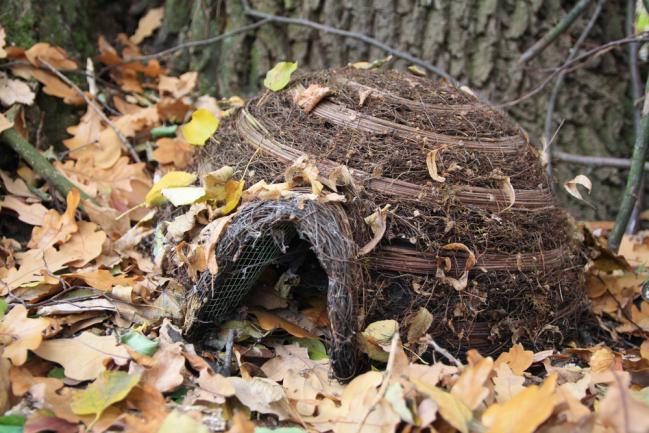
(477, 41)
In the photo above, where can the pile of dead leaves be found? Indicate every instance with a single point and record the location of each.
(87, 338)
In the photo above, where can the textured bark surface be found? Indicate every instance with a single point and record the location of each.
(478, 41)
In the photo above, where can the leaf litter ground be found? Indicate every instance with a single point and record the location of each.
(87, 330)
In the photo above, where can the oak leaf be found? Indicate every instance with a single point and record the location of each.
(19, 334)
(173, 151)
(15, 91)
(55, 56)
(310, 97)
(470, 387)
(178, 86)
(34, 213)
(57, 228)
(168, 368)
(147, 25)
(517, 358)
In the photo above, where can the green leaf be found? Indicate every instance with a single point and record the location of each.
(177, 422)
(140, 343)
(13, 420)
(110, 387)
(279, 430)
(164, 131)
(3, 307)
(57, 373)
(278, 77)
(179, 394)
(316, 348)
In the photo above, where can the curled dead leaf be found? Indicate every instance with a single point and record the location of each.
(571, 186)
(378, 224)
(432, 165)
(310, 97)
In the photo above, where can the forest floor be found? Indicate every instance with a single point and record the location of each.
(88, 321)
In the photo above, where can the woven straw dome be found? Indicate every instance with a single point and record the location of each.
(489, 213)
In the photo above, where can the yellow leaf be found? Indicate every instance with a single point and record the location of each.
(183, 195)
(517, 358)
(419, 323)
(470, 387)
(278, 77)
(233, 192)
(200, 128)
(110, 387)
(178, 422)
(450, 408)
(525, 411)
(169, 180)
(214, 182)
(376, 339)
(19, 334)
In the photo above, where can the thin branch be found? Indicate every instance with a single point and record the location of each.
(197, 43)
(575, 63)
(125, 143)
(594, 161)
(557, 30)
(636, 95)
(445, 353)
(352, 35)
(547, 130)
(35, 160)
(635, 174)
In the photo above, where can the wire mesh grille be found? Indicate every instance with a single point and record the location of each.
(240, 273)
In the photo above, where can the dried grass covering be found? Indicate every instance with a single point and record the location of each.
(526, 283)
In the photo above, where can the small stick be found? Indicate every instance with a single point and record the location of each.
(635, 174)
(445, 353)
(36, 161)
(563, 25)
(125, 143)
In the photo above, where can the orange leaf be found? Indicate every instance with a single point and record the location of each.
(55, 56)
(103, 280)
(517, 358)
(57, 228)
(178, 86)
(148, 24)
(269, 321)
(173, 151)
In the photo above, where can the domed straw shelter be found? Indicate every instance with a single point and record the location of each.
(468, 226)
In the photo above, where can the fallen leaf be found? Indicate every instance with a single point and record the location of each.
(461, 283)
(104, 280)
(268, 321)
(278, 77)
(418, 324)
(378, 224)
(170, 180)
(178, 86)
(200, 128)
(310, 97)
(261, 395)
(148, 24)
(470, 387)
(431, 163)
(55, 56)
(140, 343)
(177, 422)
(168, 368)
(525, 411)
(517, 358)
(450, 408)
(44, 420)
(15, 92)
(55, 87)
(83, 357)
(3, 42)
(571, 186)
(620, 410)
(19, 334)
(17, 187)
(508, 190)
(173, 151)
(602, 360)
(110, 387)
(376, 338)
(506, 383)
(57, 228)
(5, 123)
(33, 214)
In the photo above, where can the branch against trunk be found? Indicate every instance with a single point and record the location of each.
(563, 25)
(353, 35)
(635, 175)
(594, 161)
(36, 161)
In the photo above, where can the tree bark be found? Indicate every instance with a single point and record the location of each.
(477, 41)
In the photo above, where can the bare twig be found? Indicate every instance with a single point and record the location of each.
(595, 161)
(547, 131)
(197, 43)
(636, 94)
(125, 143)
(445, 353)
(575, 64)
(557, 30)
(635, 174)
(353, 35)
